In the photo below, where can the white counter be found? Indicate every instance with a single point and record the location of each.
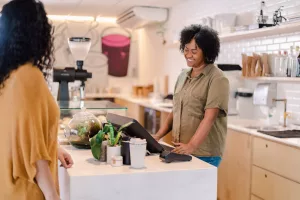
(88, 179)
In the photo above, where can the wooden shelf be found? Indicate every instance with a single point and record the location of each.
(262, 32)
(274, 79)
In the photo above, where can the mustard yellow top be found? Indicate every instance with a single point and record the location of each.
(28, 122)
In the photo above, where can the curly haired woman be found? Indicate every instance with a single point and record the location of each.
(199, 118)
(29, 114)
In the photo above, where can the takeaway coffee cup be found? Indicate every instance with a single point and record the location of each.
(137, 153)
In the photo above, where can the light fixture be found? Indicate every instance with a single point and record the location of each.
(70, 18)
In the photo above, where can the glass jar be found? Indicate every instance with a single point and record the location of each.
(83, 126)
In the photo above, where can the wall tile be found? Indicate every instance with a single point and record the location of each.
(273, 47)
(267, 41)
(261, 48)
(286, 46)
(293, 38)
(279, 40)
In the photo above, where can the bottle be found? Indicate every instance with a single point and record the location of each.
(297, 56)
(283, 71)
(290, 62)
(277, 63)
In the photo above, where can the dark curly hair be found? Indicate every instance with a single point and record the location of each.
(25, 36)
(206, 38)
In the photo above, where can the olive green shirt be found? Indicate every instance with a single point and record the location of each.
(192, 96)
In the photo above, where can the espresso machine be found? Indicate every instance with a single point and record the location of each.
(79, 47)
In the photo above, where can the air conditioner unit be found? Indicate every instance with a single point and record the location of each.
(139, 16)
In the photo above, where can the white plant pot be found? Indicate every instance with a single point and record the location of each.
(112, 151)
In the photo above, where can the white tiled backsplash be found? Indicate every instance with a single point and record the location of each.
(231, 51)
(190, 12)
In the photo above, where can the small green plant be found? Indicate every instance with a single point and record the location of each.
(82, 130)
(113, 137)
(108, 132)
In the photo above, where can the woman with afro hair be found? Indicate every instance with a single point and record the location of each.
(199, 117)
(29, 114)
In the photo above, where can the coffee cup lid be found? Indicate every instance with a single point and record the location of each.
(137, 141)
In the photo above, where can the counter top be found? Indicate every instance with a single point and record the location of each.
(146, 102)
(90, 179)
(240, 125)
(86, 165)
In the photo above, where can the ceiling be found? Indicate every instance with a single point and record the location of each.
(105, 8)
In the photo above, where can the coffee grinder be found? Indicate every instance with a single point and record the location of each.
(79, 47)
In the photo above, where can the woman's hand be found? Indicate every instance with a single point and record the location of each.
(181, 148)
(65, 158)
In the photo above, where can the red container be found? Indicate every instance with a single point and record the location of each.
(116, 47)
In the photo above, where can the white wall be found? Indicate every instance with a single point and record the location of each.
(150, 54)
(96, 62)
(146, 55)
(192, 11)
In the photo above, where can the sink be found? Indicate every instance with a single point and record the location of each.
(276, 131)
(282, 133)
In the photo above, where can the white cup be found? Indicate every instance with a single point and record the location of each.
(137, 153)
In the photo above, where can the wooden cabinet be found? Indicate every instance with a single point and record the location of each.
(234, 173)
(270, 186)
(278, 158)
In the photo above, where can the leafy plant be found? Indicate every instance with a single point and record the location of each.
(96, 143)
(82, 131)
(108, 132)
(114, 139)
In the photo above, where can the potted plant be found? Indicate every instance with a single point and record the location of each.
(113, 141)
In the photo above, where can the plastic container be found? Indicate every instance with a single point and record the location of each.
(137, 153)
(244, 104)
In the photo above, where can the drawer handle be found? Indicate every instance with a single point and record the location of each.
(266, 145)
(266, 176)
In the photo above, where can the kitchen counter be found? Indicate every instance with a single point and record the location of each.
(240, 125)
(234, 122)
(90, 179)
(142, 101)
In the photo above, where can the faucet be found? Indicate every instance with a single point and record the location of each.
(285, 114)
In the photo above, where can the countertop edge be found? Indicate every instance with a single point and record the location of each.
(145, 102)
(285, 141)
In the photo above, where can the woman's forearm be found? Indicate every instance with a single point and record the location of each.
(45, 181)
(166, 127)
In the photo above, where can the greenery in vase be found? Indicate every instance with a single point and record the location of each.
(108, 132)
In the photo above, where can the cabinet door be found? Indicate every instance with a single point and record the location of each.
(278, 158)
(234, 172)
(270, 186)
